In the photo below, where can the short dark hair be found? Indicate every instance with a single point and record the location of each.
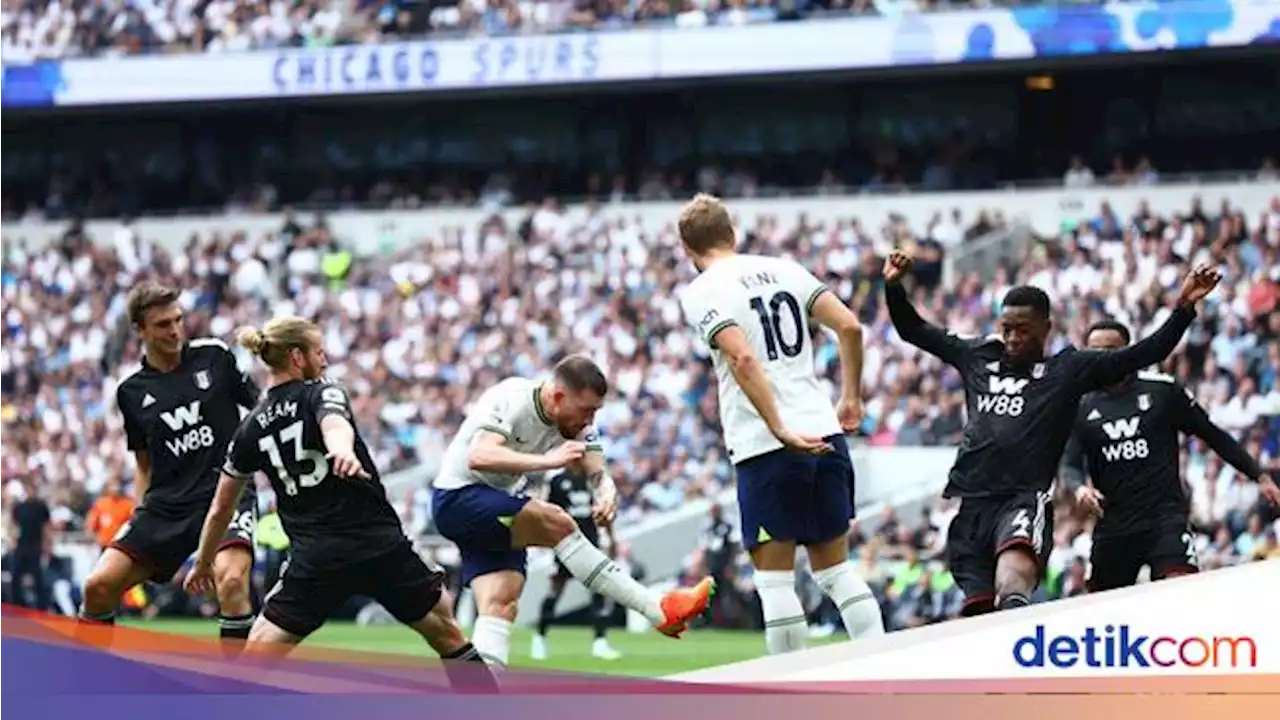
(1113, 325)
(578, 373)
(1028, 296)
(146, 295)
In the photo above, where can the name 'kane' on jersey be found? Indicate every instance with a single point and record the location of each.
(771, 300)
(184, 420)
(331, 521)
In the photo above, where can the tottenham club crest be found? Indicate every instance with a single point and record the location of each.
(202, 380)
(1144, 402)
(1037, 372)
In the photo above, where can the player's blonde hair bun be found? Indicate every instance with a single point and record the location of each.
(251, 339)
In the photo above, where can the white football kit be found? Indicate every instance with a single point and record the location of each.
(771, 300)
(513, 409)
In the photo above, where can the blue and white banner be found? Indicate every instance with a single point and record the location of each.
(649, 54)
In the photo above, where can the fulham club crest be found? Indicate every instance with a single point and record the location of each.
(202, 380)
(1144, 402)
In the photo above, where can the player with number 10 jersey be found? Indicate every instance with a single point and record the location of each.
(784, 438)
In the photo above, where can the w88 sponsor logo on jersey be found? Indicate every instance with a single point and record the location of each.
(1004, 398)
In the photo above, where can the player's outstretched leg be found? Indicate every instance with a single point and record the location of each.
(600, 647)
(853, 598)
(497, 592)
(541, 524)
(232, 568)
(785, 629)
(114, 573)
(463, 662)
(538, 650)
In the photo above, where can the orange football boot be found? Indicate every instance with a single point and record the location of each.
(684, 604)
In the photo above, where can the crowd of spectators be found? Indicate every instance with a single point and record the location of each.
(48, 29)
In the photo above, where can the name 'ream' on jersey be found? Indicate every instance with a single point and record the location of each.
(331, 521)
(513, 409)
(771, 300)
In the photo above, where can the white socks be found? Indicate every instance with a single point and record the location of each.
(853, 598)
(785, 629)
(600, 574)
(492, 639)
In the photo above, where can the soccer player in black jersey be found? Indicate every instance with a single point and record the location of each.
(572, 491)
(345, 538)
(1122, 463)
(1020, 408)
(180, 410)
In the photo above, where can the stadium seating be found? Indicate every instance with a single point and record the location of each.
(49, 29)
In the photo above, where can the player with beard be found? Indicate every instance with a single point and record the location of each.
(345, 538)
(1122, 462)
(1021, 405)
(517, 428)
(180, 410)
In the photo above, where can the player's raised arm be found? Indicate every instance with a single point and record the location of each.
(835, 315)
(910, 326)
(1099, 368)
(1195, 421)
(332, 409)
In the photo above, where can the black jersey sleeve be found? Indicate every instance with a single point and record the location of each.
(947, 346)
(1096, 369)
(135, 436)
(243, 457)
(330, 399)
(1074, 467)
(1193, 420)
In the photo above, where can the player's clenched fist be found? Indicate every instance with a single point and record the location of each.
(896, 266)
(849, 413)
(568, 452)
(1198, 283)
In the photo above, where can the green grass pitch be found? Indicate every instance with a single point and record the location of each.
(643, 655)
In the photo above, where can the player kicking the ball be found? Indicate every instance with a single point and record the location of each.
(519, 427)
(787, 444)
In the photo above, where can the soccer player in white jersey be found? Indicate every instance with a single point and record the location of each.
(519, 427)
(786, 441)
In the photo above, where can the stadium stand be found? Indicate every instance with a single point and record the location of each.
(49, 29)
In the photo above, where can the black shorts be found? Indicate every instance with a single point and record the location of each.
(164, 544)
(592, 533)
(986, 527)
(1167, 547)
(399, 580)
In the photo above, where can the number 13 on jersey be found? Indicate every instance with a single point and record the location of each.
(292, 435)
